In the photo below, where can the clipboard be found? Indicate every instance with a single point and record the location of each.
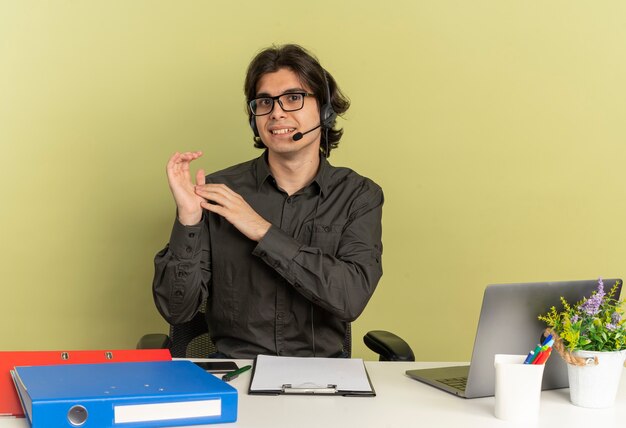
(274, 375)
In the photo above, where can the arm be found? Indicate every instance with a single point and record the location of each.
(182, 273)
(341, 283)
(182, 269)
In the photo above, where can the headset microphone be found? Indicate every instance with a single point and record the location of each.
(298, 135)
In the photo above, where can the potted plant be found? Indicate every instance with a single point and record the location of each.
(591, 338)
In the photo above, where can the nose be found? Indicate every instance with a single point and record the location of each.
(277, 111)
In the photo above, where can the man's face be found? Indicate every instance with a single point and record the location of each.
(277, 128)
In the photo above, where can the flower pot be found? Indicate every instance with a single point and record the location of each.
(595, 386)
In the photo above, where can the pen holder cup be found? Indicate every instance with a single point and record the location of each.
(518, 388)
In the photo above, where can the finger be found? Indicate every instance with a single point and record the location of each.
(200, 178)
(185, 157)
(193, 155)
(222, 189)
(214, 197)
(217, 209)
(179, 162)
(173, 160)
(227, 190)
(216, 193)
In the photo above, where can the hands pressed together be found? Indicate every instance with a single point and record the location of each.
(192, 198)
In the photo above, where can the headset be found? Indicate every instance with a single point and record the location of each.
(327, 113)
(327, 119)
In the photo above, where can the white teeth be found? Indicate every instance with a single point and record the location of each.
(282, 131)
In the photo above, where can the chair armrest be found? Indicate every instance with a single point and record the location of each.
(154, 341)
(389, 346)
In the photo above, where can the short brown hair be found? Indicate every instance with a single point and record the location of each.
(310, 72)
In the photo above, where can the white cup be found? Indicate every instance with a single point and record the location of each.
(518, 388)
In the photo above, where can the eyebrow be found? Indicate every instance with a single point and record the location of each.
(287, 91)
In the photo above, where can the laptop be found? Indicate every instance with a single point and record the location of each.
(508, 324)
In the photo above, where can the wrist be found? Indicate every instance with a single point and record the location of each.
(262, 231)
(189, 219)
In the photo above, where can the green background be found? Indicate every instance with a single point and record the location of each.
(496, 129)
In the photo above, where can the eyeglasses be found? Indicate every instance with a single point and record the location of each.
(290, 101)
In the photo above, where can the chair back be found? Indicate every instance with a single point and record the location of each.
(192, 339)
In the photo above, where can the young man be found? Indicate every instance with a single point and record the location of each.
(286, 249)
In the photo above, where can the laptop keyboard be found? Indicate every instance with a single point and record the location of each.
(455, 382)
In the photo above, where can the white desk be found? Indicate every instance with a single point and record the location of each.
(400, 402)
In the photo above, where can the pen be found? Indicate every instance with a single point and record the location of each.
(541, 359)
(535, 354)
(547, 355)
(233, 375)
(530, 357)
(546, 340)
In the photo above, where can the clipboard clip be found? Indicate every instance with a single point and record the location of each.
(309, 388)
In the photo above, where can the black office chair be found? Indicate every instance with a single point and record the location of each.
(193, 340)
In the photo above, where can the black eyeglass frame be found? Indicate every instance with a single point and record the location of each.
(277, 98)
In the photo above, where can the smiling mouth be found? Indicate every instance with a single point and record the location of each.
(282, 131)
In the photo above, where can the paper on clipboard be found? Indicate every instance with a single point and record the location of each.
(343, 376)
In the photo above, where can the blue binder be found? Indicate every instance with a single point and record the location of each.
(150, 394)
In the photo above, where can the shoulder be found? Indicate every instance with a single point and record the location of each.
(345, 178)
(345, 181)
(233, 174)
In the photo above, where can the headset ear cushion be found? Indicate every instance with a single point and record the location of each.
(253, 125)
(327, 116)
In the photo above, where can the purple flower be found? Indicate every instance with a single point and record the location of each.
(574, 319)
(610, 326)
(615, 318)
(591, 306)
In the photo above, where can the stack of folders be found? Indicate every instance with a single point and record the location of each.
(10, 402)
(149, 394)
